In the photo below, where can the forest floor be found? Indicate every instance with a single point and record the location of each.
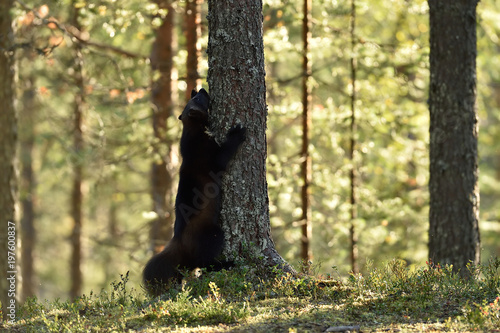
(396, 298)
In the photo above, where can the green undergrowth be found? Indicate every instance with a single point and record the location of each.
(249, 298)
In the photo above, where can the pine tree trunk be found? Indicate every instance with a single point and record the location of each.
(162, 63)
(27, 182)
(8, 130)
(192, 20)
(453, 185)
(27, 185)
(77, 159)
(353, 233)
(306, 163)
(238, 96)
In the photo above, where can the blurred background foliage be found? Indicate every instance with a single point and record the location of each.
(392, 86)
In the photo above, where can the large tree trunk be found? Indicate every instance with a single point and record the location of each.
(8, 130)
(77, 164)
(453, 187)
(238, 95)
(162, 63)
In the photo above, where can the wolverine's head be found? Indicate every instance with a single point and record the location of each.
(197, 107)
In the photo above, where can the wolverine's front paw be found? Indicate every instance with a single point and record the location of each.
(237, 133)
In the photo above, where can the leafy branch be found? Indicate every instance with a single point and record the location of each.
(76, 35)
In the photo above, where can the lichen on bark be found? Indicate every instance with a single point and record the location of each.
(236, 78)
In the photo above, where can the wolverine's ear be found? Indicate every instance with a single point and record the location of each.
(193, 93)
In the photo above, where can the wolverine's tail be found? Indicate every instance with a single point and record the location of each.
(161, 270)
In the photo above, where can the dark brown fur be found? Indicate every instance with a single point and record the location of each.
(198, 238)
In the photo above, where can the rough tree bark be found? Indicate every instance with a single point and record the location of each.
(453, 185)
(238, 95)
(8, 138)
(162, 64)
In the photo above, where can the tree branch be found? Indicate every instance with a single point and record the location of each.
(76, 34)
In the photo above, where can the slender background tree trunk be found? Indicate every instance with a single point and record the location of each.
(27, 185)
(306, 253)
(78, 145)
(238, 95)
(8, 138)
(28, 118)
(454, 192)
(353, 235)
(192, 21)
(162, 64)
